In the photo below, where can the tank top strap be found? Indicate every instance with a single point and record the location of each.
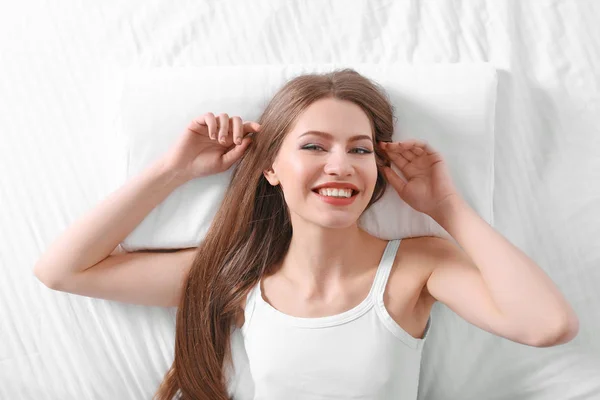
(384, 269)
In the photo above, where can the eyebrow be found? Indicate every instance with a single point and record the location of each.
(330, 136)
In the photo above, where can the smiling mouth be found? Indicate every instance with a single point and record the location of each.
(354, 193)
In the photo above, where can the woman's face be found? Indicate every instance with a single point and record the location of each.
(342, 153)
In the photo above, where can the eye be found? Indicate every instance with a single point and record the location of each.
(314, 146)
(311, 147)
(366, 151)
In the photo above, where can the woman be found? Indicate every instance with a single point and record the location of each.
(326, 309)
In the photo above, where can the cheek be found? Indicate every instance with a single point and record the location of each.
(370, 180)
(370, 173)
(299, 168)
(294, 174)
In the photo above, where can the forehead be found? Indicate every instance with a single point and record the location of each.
(340, 118)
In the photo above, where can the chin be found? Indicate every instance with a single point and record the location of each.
(336, 223)
(329, 218)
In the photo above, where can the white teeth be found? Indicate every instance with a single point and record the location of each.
(336, 192)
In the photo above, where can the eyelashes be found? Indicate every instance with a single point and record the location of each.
(314, 146)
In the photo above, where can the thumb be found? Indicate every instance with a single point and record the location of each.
(235, 153)
(395, 180)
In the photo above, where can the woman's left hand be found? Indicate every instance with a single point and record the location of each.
(428, 186)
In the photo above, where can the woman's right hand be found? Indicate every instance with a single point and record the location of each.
(209, 145)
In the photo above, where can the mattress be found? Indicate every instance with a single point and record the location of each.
(62, 64)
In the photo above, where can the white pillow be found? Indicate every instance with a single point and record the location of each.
(450, 106)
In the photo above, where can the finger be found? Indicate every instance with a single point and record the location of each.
(197, 125)
(398, 159)
(410, 149)
(224, 129)
(238, 132)
(391, 147)
(409, 155)
(404, 150)
(394, 179)
(428, 149)
(417, 151)
(419, 144)
(423, 150)
(417, 148)
(211, 122)
(202, 124)
(235, 153)
(251, 127)
(408, 143)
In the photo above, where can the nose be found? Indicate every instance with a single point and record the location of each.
(339, 163)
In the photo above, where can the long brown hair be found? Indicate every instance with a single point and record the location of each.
(251, 233)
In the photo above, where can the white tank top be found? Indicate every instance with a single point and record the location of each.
(361, 353)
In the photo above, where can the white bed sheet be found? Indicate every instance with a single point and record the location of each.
(61, 63)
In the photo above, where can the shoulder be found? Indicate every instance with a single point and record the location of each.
(417, 258)
(428, 250)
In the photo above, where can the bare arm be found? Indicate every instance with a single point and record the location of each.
(496, 283)
(81, 260)
(93, 238)
(147, 278)
(492, 283)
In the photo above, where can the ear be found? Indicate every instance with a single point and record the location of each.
(271, 176)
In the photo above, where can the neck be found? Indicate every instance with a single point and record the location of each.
(320, 259)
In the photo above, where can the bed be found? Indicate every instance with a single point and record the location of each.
(62, 65)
